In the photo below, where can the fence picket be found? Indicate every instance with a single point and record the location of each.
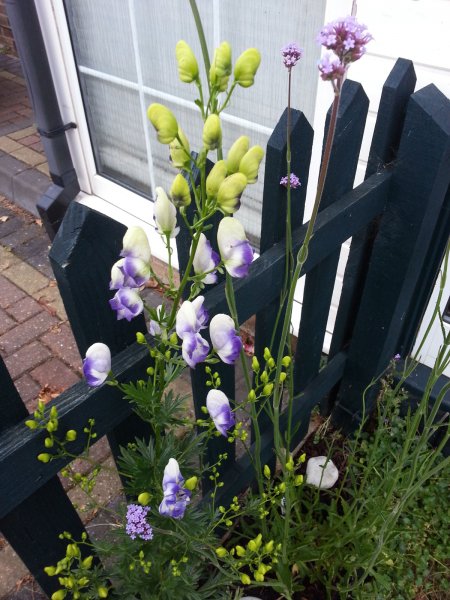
(419, 186)
(389, 124)
(319, 283)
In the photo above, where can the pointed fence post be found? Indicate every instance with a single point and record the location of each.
(319, 283)
(407, 230)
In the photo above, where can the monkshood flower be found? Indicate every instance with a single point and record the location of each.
(127, 303)
(164, 122)
(137, 525)
(205, 260)
(237, 153)
(154, 327)
(220, 70)
(249, 165)
(295, 181)
(234, 247)
(135, 244)
(194, 349)
(224, 338)
(212, 132)
(165, 214)
(215, 178)
(330, 67)
(176, 497)
(230, 192)
(291, 54)
(97, 364)
(180, 152)
(129, 272)
(321, 472)
(346, 38)
(219, 409)
(187, 63)
(246, 66)
(180, 192)
(191, 317)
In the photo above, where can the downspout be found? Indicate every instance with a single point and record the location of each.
(27, 33)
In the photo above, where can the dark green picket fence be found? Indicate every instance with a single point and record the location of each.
(399, 222)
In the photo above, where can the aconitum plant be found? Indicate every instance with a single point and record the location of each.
(168, 534)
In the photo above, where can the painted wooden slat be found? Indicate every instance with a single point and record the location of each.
(418, 190)
(319, 283)
(386, 138)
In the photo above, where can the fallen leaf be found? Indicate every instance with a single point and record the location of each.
(48, 393)
(38, 222)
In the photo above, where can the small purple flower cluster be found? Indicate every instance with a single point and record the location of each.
(347, 39)
(294, 180)
(137, 525)
(291, 53)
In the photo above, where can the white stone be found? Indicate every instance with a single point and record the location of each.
(321, 472)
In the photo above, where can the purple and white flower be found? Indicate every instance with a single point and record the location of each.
(224, 338)
(346, 38)
(130, 272)
(165, 214)
(194, 349)
(191, 317)
(97, 364)
(294, 181)
(291, 54)
(176, 497)
(205, 260)
(127, 303)
(137, 525)
(234, 247)
(219, 409)
(154, 327)
(331, 67)
(135, 244)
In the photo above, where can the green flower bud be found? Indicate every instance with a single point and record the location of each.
(45, 458)
(164, 122)
(59, 595)
(302, 458)
(237, 153)
(221, 552)
(50, 571)
(286, 361)
(251, 396)
(290, 464)
(264, 377)
(187, 63)
(31, 424)
(246, 66)
(191, 483)
(269, 547)
(212, 132)
(255, 364)
(180, 151)
(102, 592)
(71, 435)
(282, 487)
(298, 480)
(267, 354)
(48, 443)
(230, 192)
(259, 576)
(180, 192)
(87, 562)
(144, 498)
(52, 425)
(282, 377)
(173, 338)
(245, 579)
(266, 471)
(250, 162)
(215, 178)
(221, 67)
(240, 551)
(140, 338)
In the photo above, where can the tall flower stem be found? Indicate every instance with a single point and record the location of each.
(202, 38)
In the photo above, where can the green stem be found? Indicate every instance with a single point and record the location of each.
(202, 38)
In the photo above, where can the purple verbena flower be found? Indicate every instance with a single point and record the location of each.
(224, 338)
(219, 409)
(176, 497)
(295, 181)
(97, 364)
(194, 349)
(346, 38)
(129, 272)
(127, 303)
(137, 525)
(330, 67)
(234, 247)
(291, 53)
